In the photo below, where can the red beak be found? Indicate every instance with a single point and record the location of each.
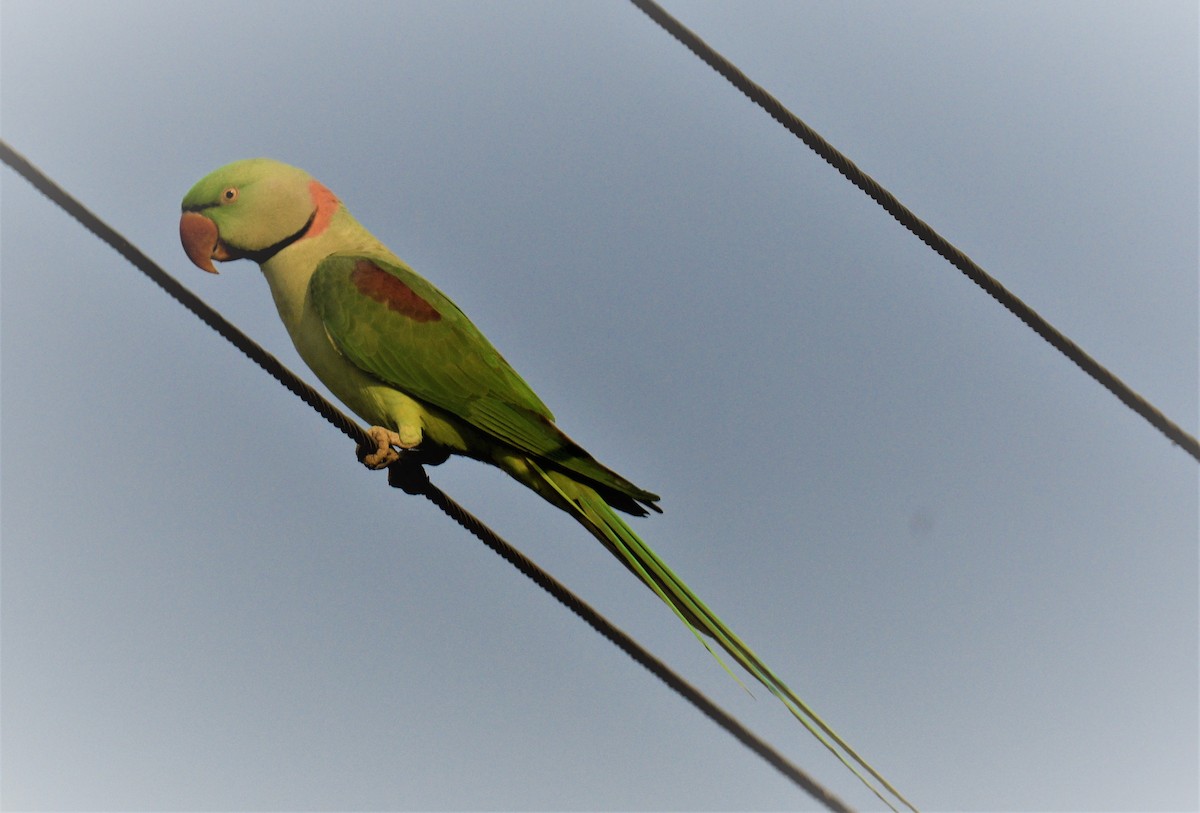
(201, 241)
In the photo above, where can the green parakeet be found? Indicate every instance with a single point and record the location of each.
(399, 353)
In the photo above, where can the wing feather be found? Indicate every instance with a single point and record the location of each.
(394, 324)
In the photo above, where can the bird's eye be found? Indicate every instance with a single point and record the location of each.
(229, 195)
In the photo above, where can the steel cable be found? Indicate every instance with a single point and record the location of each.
(409, 475)
(757, 94)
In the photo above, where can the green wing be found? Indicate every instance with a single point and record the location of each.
(398, 327)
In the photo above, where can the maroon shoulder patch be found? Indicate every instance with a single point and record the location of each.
(381, 286)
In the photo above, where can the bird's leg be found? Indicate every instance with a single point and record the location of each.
(388, 446)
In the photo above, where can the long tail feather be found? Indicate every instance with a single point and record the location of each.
(590, 509)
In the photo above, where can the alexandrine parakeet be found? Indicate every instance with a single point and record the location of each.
(399, 353)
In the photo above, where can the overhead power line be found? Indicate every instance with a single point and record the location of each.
(920, 228)
(408, 474)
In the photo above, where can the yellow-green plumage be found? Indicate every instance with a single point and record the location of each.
(399, 353)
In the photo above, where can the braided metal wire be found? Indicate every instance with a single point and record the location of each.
(409, 475)
(907, 218)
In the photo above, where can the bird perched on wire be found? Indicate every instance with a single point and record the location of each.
(399, 353)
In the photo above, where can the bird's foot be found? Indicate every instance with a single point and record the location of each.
(388, 447)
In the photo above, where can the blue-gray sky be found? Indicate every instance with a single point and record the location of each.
(974, 562)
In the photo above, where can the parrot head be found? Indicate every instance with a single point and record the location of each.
(251, 209)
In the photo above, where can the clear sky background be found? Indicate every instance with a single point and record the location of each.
(973, 561)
